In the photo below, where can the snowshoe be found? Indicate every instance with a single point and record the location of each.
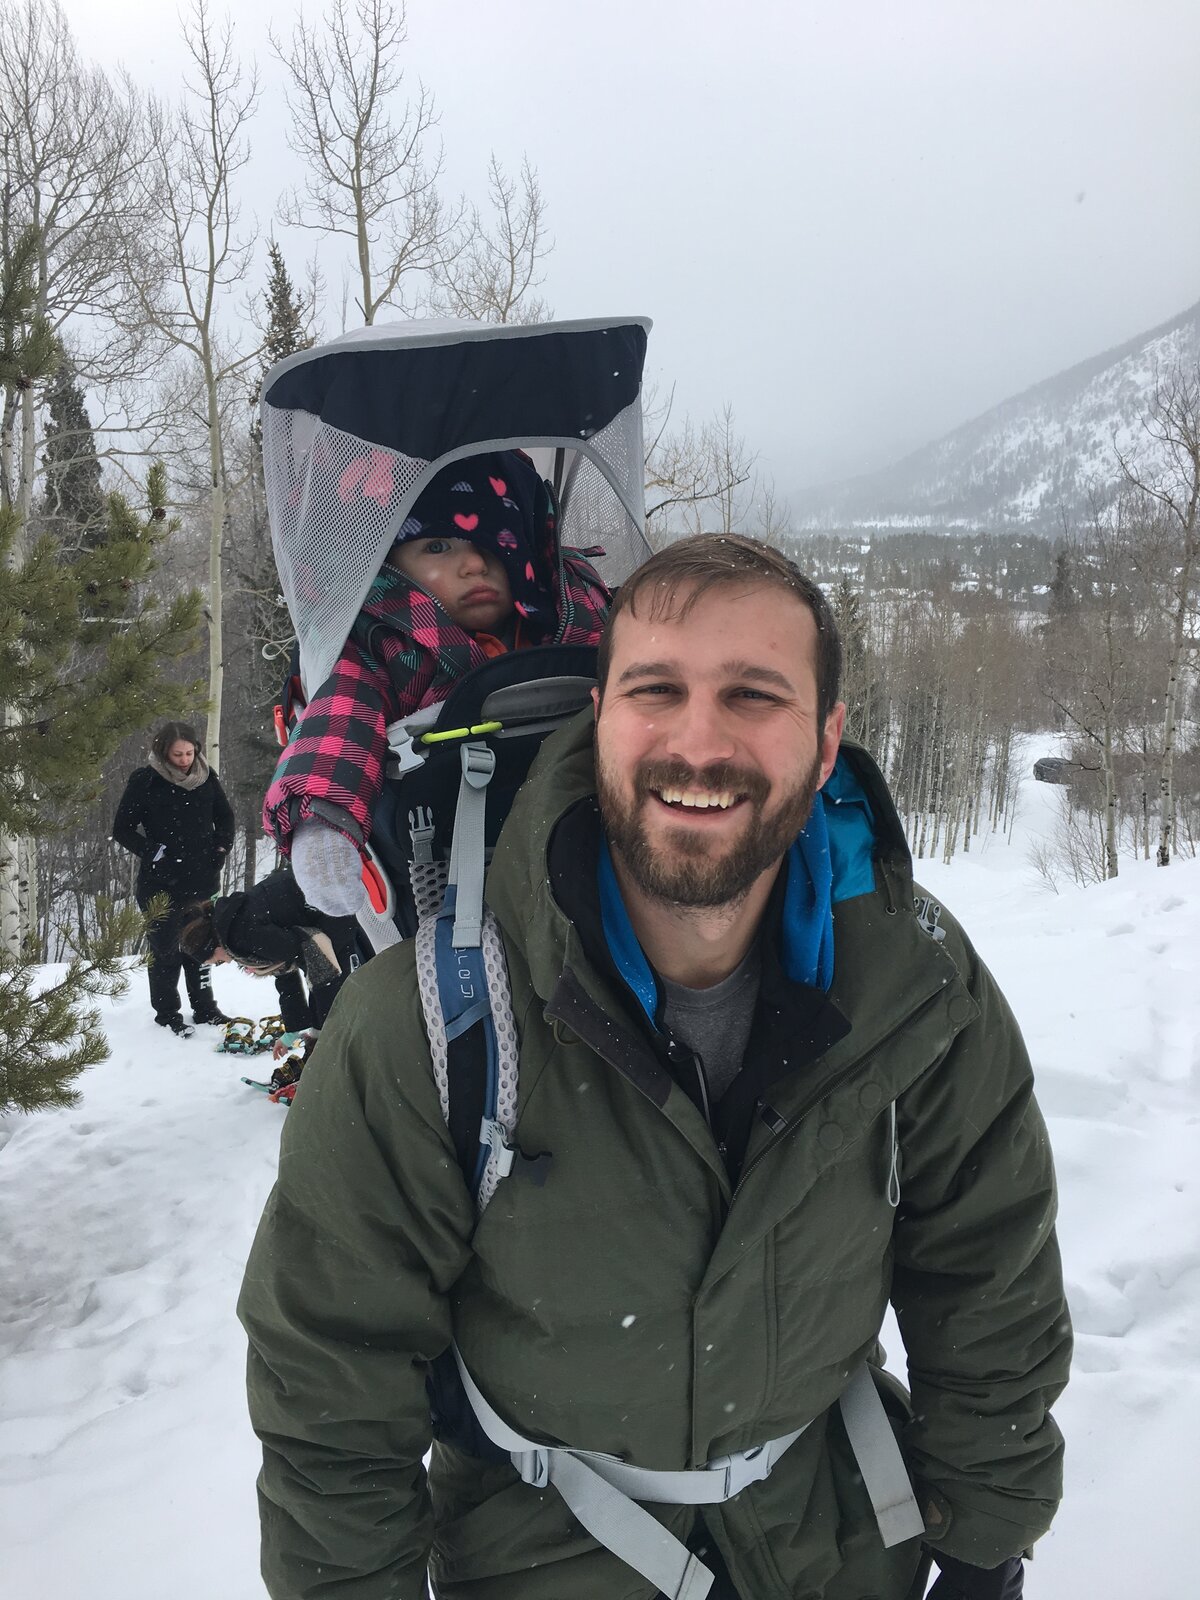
(268, 1030)
(280, 1097)
(239, 1036)
(288, 1071)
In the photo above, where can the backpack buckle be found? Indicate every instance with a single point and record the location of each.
(533, 1466)
(421, 832)
(478, 765)
(492, 1134)
(742, 1469)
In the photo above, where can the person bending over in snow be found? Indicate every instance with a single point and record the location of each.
(271, 932)
(475, 571)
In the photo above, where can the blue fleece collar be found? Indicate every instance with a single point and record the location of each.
(627, 954)
(808, 904)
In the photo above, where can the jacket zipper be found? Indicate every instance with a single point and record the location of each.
(677, 1050)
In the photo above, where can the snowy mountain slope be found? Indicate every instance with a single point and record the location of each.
(1024, 461)
(126, 1462)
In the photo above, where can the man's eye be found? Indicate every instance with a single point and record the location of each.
(654, 689)
(755, 694)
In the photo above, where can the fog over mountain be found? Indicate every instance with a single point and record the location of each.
(1026, 461)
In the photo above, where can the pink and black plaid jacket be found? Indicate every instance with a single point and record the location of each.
(405, 652)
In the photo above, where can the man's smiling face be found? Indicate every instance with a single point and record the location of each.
(708, 747)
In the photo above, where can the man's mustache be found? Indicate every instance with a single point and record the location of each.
(654, 776)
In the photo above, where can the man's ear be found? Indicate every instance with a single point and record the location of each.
(831, 738)
(595, 702)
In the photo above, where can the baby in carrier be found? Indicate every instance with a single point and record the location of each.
(475, 570)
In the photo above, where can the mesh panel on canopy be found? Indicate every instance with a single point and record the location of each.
(336, 497)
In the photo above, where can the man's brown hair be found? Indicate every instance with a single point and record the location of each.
(709, 561)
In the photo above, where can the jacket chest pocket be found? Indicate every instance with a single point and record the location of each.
(833, 1254)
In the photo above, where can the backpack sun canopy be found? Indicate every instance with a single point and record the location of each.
(353, 429)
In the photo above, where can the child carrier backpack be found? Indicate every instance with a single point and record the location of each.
(352, 431)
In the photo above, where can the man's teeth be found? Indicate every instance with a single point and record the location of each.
(700, 799)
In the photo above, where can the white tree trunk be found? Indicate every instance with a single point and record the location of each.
(1166, 779)
(216, 641)
(10, 895)
(1110, 802)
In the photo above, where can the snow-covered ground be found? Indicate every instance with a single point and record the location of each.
(126, 1463)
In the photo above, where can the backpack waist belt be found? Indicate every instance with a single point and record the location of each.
(602, 1490)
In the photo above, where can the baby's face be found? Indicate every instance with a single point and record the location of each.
(467, 582)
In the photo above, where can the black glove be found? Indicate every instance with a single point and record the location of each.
(958, 1581)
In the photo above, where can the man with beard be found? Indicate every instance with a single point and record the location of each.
(767, 1096)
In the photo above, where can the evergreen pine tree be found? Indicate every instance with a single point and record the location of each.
(268, 627)
(73, 507)
(285, 331)
(29, 352)
(259, 621)
(1064, 595)
(859, 688)
(82, 651)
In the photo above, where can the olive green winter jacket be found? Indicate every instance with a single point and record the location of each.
(640, 1301)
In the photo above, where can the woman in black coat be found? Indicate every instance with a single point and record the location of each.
(271, 931)
(175, 818)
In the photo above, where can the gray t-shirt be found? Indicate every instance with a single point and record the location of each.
(715, 1023)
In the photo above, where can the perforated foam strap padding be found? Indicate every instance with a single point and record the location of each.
(501, 1116)
(602, 1490)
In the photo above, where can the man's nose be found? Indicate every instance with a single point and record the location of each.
(699, 732)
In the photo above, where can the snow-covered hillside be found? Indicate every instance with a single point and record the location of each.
(126, 1463)
(1028, 459)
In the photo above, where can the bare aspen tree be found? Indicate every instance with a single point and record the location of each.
(1086, 664)
(73, 146)
(773, 521)
(731, 465)
(493, 270)
(1173, 482)
(692, 475)
(370, 176)
(199, 150)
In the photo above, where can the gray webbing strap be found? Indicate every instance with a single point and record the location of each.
(602, 1490)
(608, 1514)
(620, 1525)
(467, 848)
(879, 1460)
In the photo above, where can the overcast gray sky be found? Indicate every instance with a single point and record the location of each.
(859, 221)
